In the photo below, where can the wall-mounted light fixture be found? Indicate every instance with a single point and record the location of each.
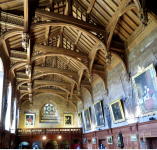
(44, 137)
(59, 137)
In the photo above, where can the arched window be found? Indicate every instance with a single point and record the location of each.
(8, 108)
(13, 127)
(49, 108)
(1, 86)
(49, 113)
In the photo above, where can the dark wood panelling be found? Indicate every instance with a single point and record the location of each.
(146, 131)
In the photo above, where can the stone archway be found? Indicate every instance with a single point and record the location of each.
(52, 144)
(37, 145)
(24, 145)
(64, 144)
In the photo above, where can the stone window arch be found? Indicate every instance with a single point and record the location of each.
(49, 113)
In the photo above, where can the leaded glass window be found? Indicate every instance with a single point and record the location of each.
(48, 109)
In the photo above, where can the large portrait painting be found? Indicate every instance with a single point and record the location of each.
(87, 119)
(116, 111)
(80, 119)
(29, 119)
(146, 90)
(68, 119)
(98, 114)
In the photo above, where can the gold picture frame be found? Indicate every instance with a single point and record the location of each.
(116, 110)
(94, 140)
(145, 85)
(109, 140)
(87, 119)
(98, 114)
(29, 120)
(80, 119)
(68, 119)
(133, 137)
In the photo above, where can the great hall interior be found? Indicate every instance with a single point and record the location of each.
(78, 74)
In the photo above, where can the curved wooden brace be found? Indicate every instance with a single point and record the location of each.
(138, 5)
(39, 86)
(93, 58)
(123, 64)
(123, 11)
(23, 95)
(7, 35)
(17, 65)
(60, 23)
(126, 9)
(43, 74)
(87, 91)
(104, 80)
(53, 54)
(48, 93)
(23, 82)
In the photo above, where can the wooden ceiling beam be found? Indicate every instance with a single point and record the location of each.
(26, 16)
(59, 50)
(91, 5)
(55, 70)
(50, 91)
(78, 36)
(47, 34)
(92, 55)
(44, 82)
(69, 19)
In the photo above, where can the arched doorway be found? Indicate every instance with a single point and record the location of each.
(75, 144)
(24, 145)
(65, 144)
(51, 145)
(37, 145)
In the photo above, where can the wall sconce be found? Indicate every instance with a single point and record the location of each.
(44, 137)
(59, 137)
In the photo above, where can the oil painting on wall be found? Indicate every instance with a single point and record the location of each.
(79, 119)
(68, 119)
(29, 119)
(87, 119)
(117, 111)
(98, 114)
(146, 90)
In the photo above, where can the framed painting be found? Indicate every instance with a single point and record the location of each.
(145, 85)
(133, 137)
(84, 141)
(116, 111)
(29, 120)
(68, 119)
(98, 114)
(80, 119)
(94, 140)
(87, 119)
(109, 140)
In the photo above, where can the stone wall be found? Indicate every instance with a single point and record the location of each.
(143, 54)
(38, 102)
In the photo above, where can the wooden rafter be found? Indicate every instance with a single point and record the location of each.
(90, 6)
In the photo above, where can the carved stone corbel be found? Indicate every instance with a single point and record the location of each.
(29, 87)
(67, 104)
(127, 77)
(71, 98)
(106, 92)
(90, 78)
(28, 69)
(108, 58)
(79, 90)
(144, 16)
(25, 41)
